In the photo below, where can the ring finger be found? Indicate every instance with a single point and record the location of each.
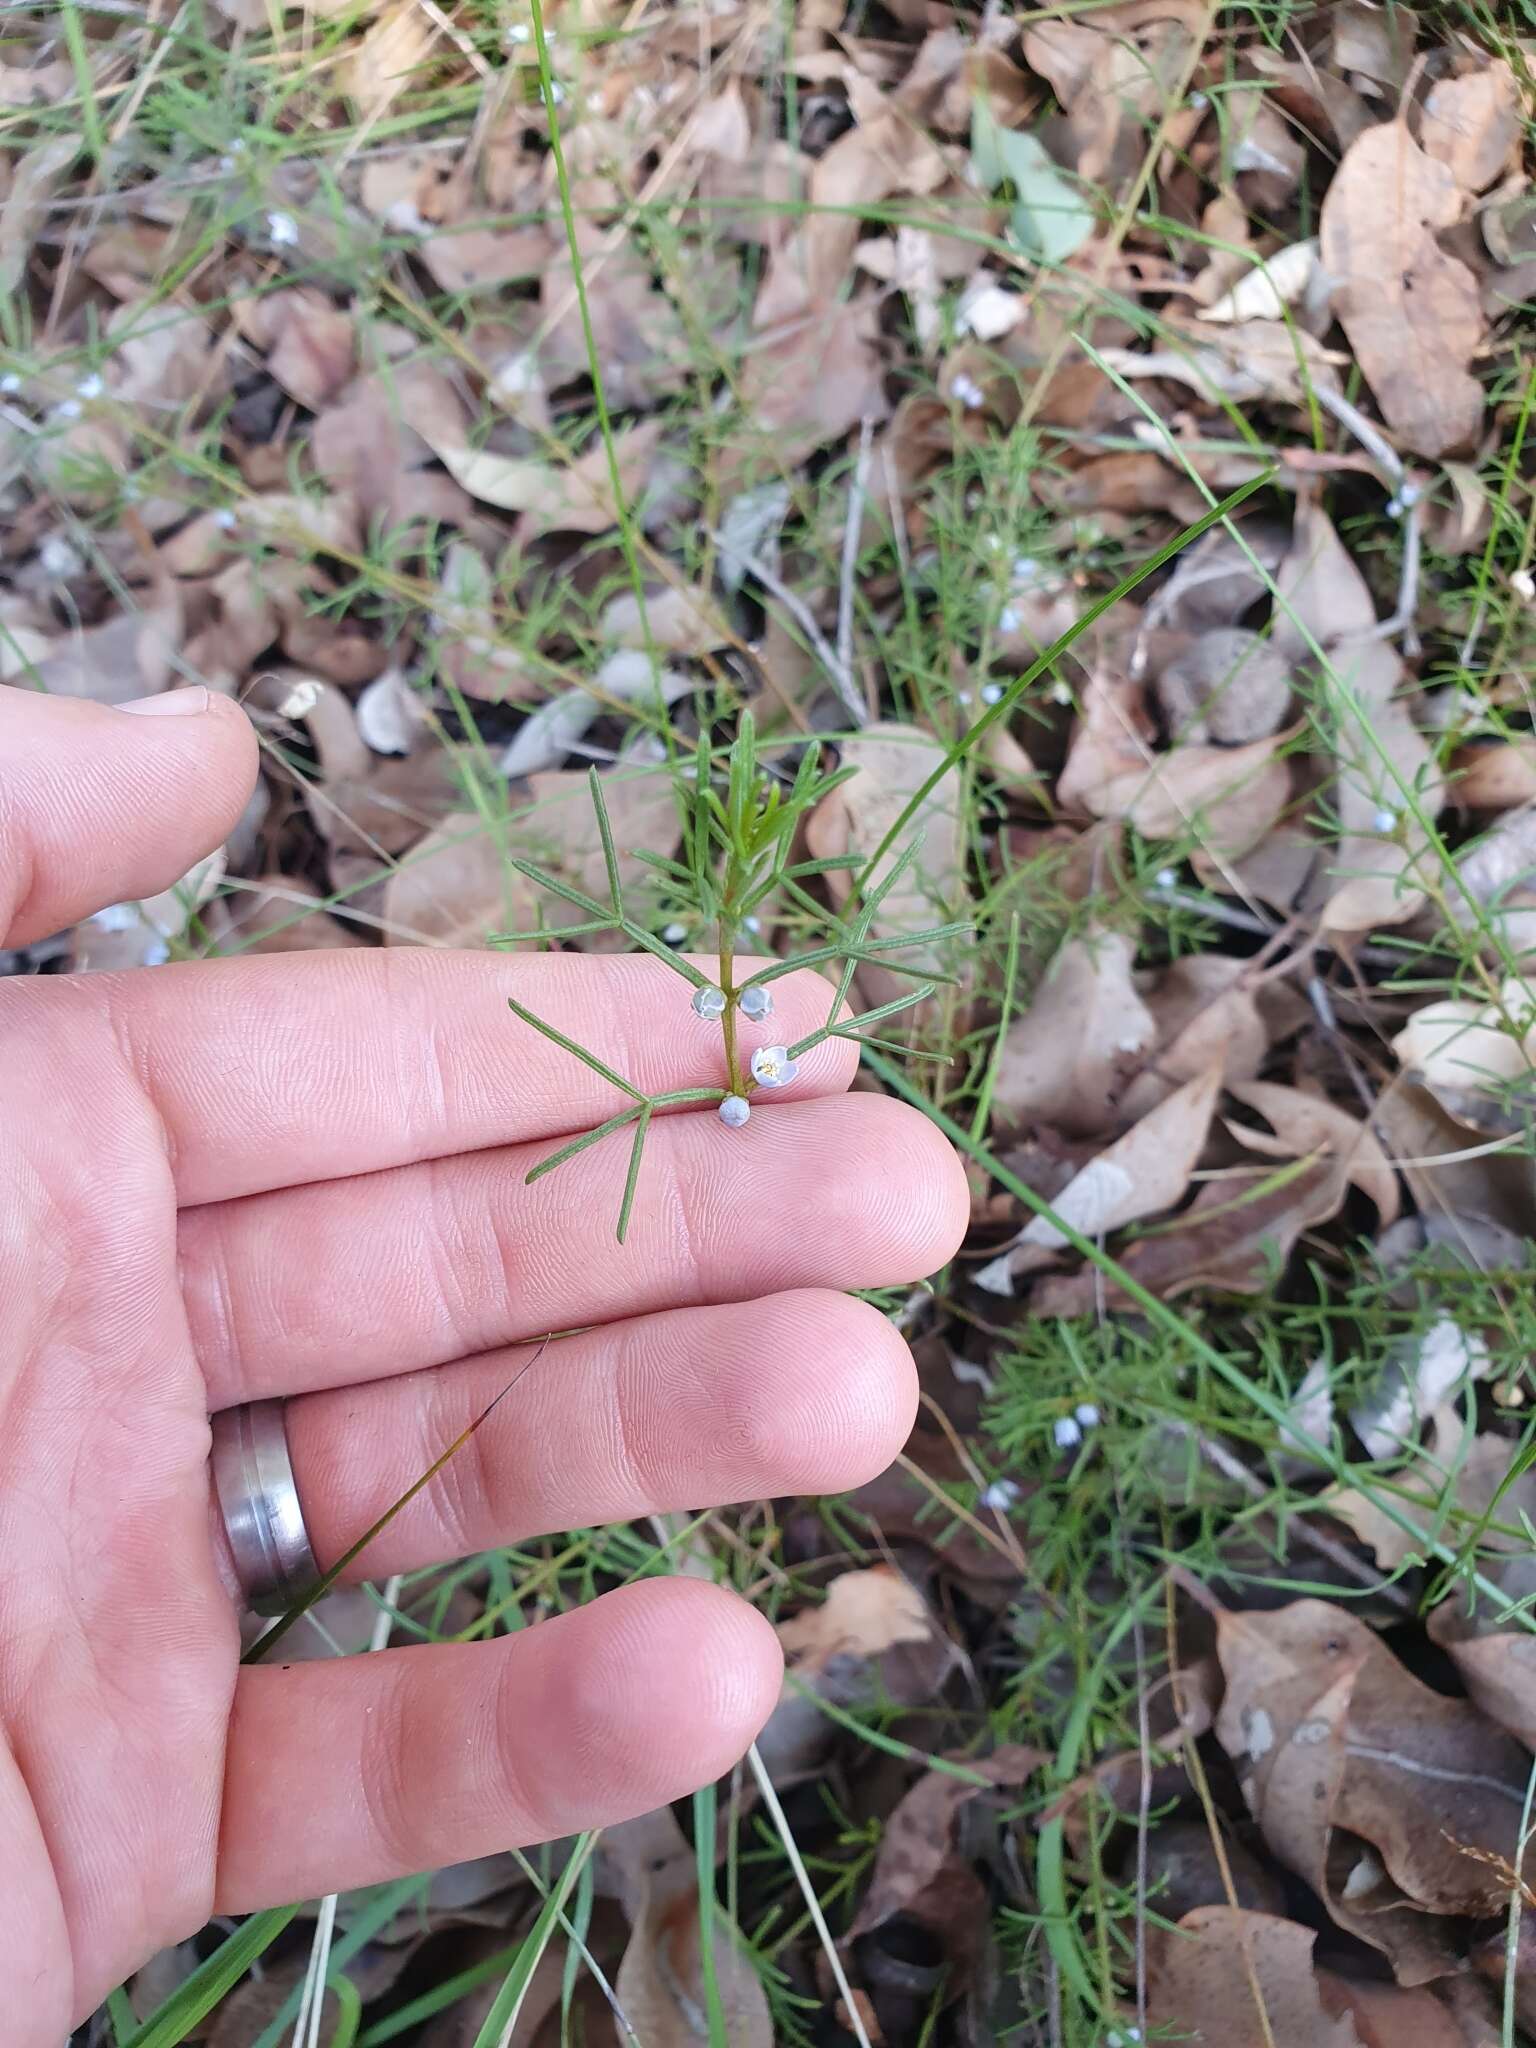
(805, 1392)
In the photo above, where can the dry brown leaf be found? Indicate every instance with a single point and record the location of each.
(1232, 1239)
(1454, 1468)
(1064, 1062)
(1304, 1123)
(1223, 799)
(1224, 1978)
(1142, 1174)
(1388, 2016)
(804, 385)
(1412, 312)
(1264, 288)
(1206, 1014)
(129, 655)
(32, 181)
(1324, 602)
(893, 762)
(919, 1870)
(676, 619)
(311, 345)
(871, 1637)
(376, 70)
(559, 832)
(1457, 1047)
(455, 887)
(1472, 124)
(1333, 1739)
(1496, 777)
(659, 1985)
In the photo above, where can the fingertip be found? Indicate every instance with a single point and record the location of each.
(834, 1400)
(708, 1667)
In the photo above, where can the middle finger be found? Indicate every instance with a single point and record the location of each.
(323, 1285)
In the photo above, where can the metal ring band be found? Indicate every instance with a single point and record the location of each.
(259, 1501)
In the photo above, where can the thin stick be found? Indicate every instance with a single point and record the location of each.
(856, 493)
(808, 1893)
(798, 611)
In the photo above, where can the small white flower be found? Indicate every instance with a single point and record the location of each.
(1165, 878)
(772, 1066)
(967, 391)
(1066, 1433)
(1025, 569)
(734, 1111)
(1409, 495)
(282, 229)
(89, 387)
(675, 933)
(156, 953)
(557, 92)
(991, 693)
(1523, 584)
(67, 409)
(963, 697)
(1395, 508)
(56, 557)
(1008, 620)
(756, 1003)
(1002, 1494)
(754, 925)
(224, 520)
(10, 383)
(1199, 102)
(1087, 1414)
(116, 917)
(300, 700)
(1061, 692)
(709, 1002)
(226, 163)
(1384, 821)
(517, 32)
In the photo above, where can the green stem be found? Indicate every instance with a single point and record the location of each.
(728, 1019)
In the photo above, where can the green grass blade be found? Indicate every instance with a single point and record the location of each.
(508, 2003)
(192, 2002)
(704, 1858)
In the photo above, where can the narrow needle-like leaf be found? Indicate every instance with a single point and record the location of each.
(605, 833)
(631, 1179)
(579, 1052)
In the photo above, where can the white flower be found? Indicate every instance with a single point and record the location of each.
(756, 1003)
(10, 383)
(283, 230)
(754, 925)
(1087, 1414)
(1025, 569)
(772, 1066)
(1061, 692)
(89, 387)
(517, 32)
(967, 391)
(67, 409)
(675, 933)
(1066, 1433)
(709, 1002)
(734, 1111)
(1165, 878)
(117, 917)
(1523, 584)
(1002, 1494)
(991, 693)
(156, 953)
(224, 520)
(1009, 620)
(1384, 820)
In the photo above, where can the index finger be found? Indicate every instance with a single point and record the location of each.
(270, 1072)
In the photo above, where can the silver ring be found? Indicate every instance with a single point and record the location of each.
(259, 1501)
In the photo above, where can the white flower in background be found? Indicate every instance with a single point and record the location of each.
(1067, 1433)
(1087, 1414)
(675, 934)
(991, 693)
(1385, 820)
(756, 1003)
(772, 1066)
(89, 387)
(967, 391)
(1002, 1494)
(734, 1111)
(282, 230)
(709, 1003)
(1008, 621)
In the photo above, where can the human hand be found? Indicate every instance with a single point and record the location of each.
(305, 1177)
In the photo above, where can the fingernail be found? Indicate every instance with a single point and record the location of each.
(169, 704)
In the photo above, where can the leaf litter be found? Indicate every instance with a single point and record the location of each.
(915, 334)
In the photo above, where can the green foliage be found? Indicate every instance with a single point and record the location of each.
(739, 818)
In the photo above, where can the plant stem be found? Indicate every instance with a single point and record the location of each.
(728, 1019)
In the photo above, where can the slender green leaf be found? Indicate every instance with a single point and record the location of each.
(210, 1981)
(569, 1151)
(508, 2003)
(605, 833)
(631, 1179)
(577, 1052)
